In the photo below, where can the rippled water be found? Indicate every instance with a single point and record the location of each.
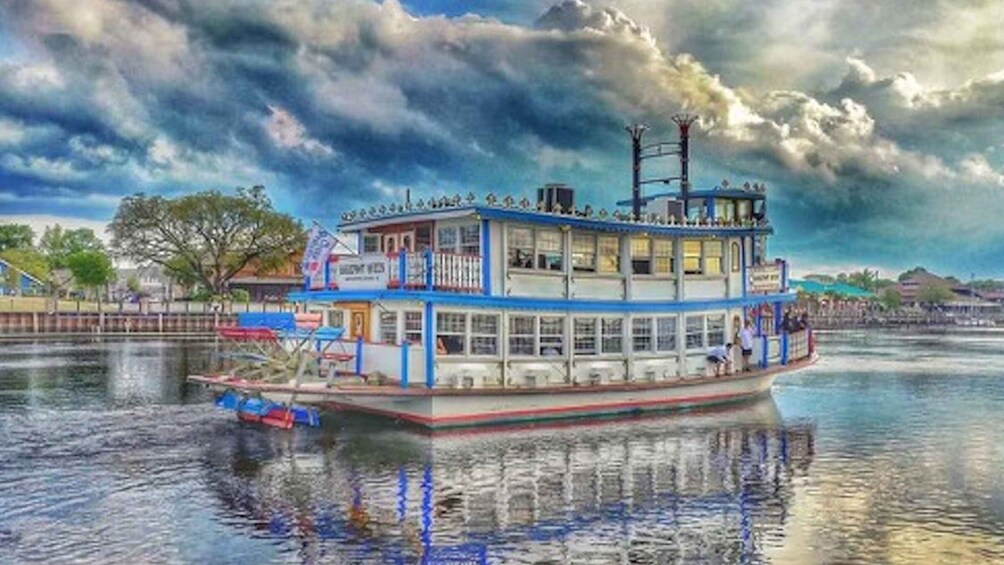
(888, 451)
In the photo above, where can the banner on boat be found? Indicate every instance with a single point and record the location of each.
(764, 279)
(320, 242)
(360, 273)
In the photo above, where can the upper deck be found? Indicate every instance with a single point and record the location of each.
(509, 248)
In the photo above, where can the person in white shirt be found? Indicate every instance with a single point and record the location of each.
(746, 344)
(720, 357)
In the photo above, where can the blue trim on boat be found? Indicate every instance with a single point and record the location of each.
(404, 364)
(577, 222)
(524, 303)
(430, 347)
(486, 257)
(742, 254)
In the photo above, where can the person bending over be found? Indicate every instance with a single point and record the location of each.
(720, 357)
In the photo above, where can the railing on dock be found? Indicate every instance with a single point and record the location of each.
(425, 270)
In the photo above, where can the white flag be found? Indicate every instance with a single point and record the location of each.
(320, 242)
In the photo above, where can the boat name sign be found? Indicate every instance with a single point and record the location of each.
(765, 279)
(364, 272)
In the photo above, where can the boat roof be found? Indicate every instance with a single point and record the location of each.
(509, 210)
(717, 192)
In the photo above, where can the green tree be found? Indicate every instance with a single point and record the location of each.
(91, 270)
(864, 279)
(132, 283)
(907, 274)
(240, 296)
(891, 299)
(58, 244)
(208, 236)
(934, 293)
(15, 236)
(27, 260)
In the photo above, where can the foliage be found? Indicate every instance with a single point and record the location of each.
(205, 237)
(240, 295)
(27, 260)
(864, 279)
(907, 274)
(132, 283)
(825, 279)
(934, 293)
(986, 284)
(15, 236)
(91, 269)
(58, 244)
(891, 299)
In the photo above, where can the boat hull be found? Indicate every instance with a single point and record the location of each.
(445, 408)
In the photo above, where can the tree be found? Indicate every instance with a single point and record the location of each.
(907, 274)
(27, 260)
(91, 269)
(864, 279)
(58, 244)
(891, 299)
(15, 236)
(132, 283)
(208, 236)
(934, 293)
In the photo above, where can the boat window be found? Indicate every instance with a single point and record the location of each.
(662, 256)
(388, 327)
(745, 209)
(716, 330)
(695, 332)
(692, 257)
(446, 239)
(423, 238)
(641, 334)
(713, 258)
(451, 330)
(521, 335)
(470, 239)
(585, 336)
(552, 336)
(413, 327)
(371, 243)
(584, 252)
(736, 258)
(520, 247)
(549, 252)
(484, 334)
(725, 209)
(641, 255)
(336, 318)
(665, 333)
(612, 337)
(609, 254)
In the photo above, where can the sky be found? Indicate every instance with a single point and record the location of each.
(879, 130)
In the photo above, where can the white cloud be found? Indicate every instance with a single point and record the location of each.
(287, 132)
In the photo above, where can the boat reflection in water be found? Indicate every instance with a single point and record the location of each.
(710, 486)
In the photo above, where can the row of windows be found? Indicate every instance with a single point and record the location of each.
(478, 334)
(543, 249)
(396, 327)
(465, 239)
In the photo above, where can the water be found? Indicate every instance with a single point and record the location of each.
(888, 451)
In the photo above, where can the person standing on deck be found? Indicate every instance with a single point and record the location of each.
(746, 344)
(720, 356)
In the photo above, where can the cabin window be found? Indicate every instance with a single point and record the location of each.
(716, 330)
(665, 333)
(609, 254)
(692, 257)
(470, 239)
(725, 209)
(552, 336)
(612, 336)
(336, 318)
(484, 334)
(520, 248)
(423, 238)
(549, 253)
(713, 264)
(662, 256)
(695, 332)
(583, 252)
(451, 330)
(388, 327)
(641, 255)
(745, 209)
(585, 336)
(641, 334)
(521, 335)
(371, 243)
(446, 239)
(413, 327)
(736, 258)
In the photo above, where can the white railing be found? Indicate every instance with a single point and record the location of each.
(411, 270)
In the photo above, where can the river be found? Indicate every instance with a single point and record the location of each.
(887, 451)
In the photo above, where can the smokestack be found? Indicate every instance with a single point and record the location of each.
(683, 121)
(636, 131)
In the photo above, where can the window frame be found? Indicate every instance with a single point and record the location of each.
(408, 333)
(562, 345)
(638, 323)
(578, 337)
(381, 328)
(532, 335)
(457, 245)
(474, 333)
(689, 332)
(463, 333)
(605, 335)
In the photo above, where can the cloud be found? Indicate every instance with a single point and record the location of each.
(339, 104)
